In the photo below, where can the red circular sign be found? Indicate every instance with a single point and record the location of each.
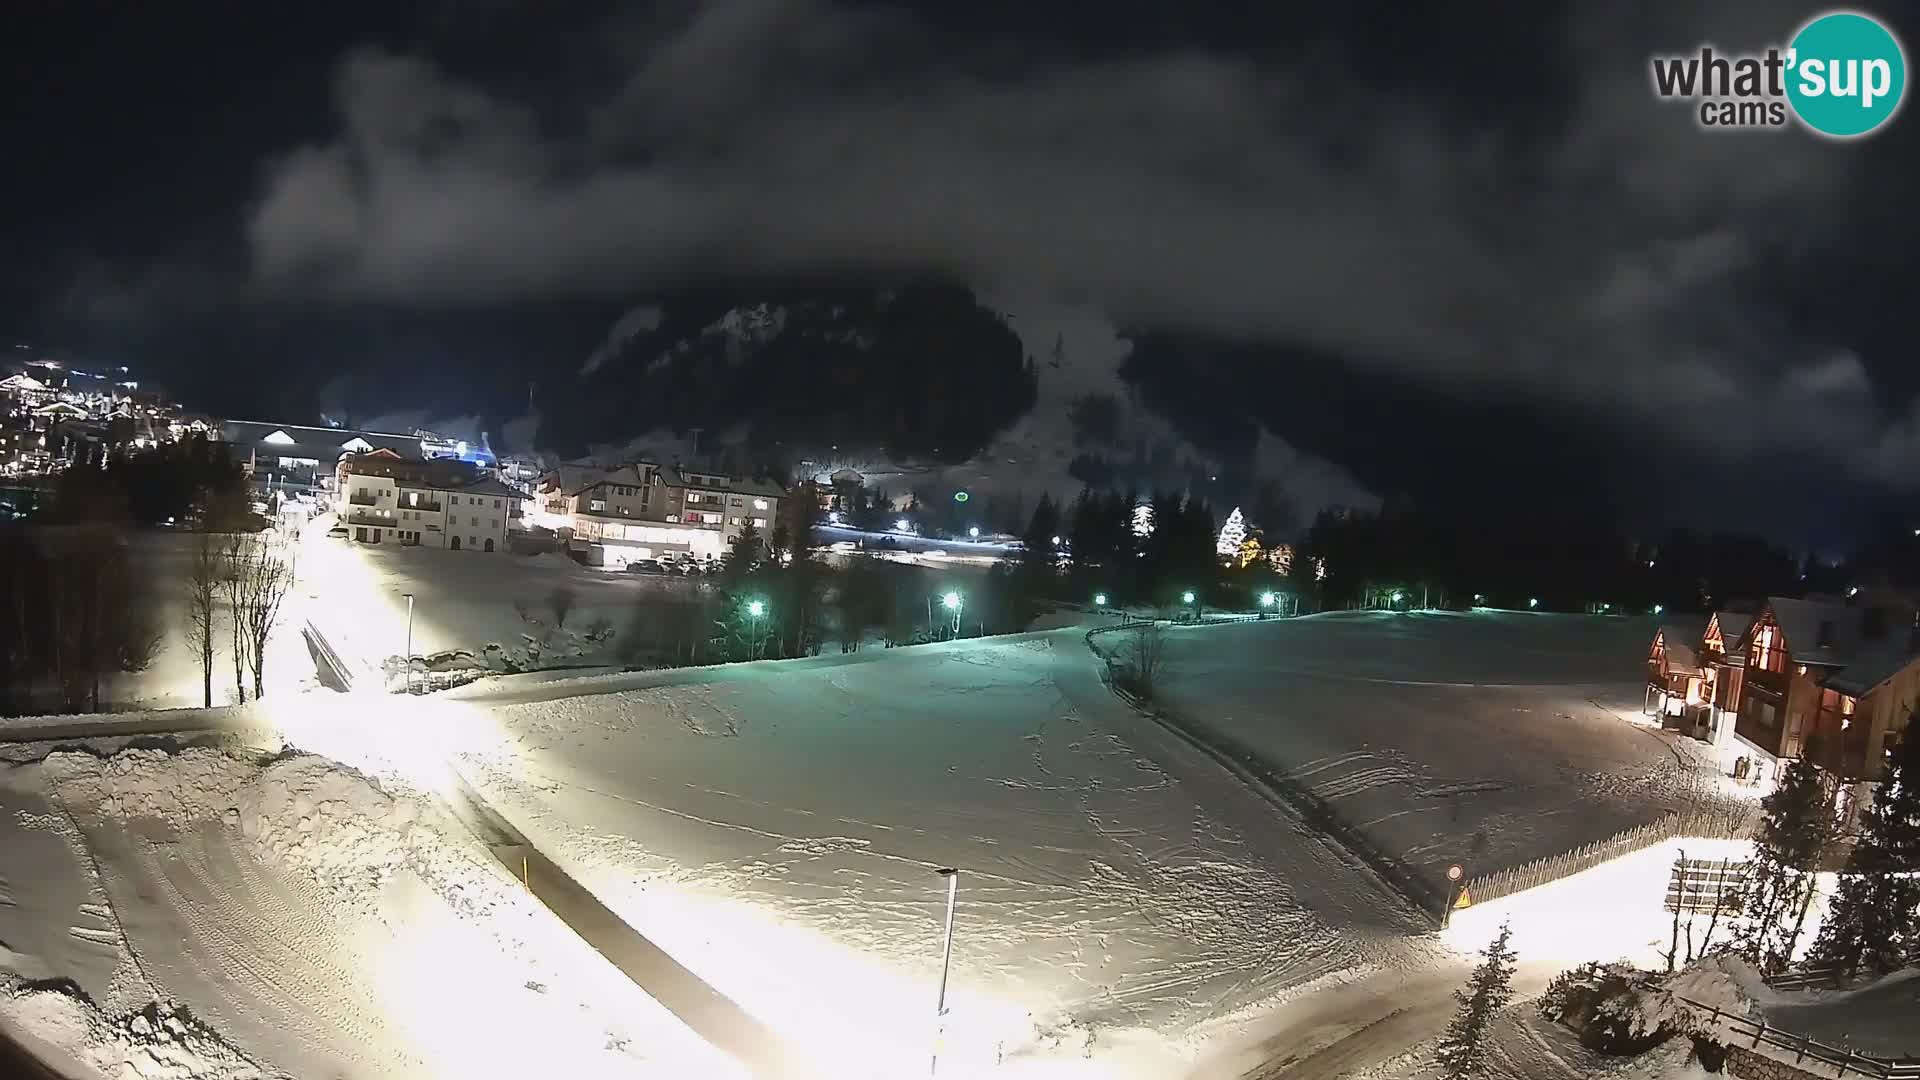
(1454, 872)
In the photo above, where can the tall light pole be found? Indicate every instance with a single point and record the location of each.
(755, 609)
(946, 964)
(951, 601)
(409, 597)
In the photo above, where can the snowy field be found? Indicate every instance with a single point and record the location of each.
(777, 828)
(468, 601)
(211, 915)
(1487, 739)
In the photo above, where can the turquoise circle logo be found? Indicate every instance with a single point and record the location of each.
(1847, 74)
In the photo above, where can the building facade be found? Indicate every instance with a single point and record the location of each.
(645, 510)
(382, 498)
(1830, 681)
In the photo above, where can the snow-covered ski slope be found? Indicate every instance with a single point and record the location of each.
(778, 828)
(201, 915)
(1487, 738)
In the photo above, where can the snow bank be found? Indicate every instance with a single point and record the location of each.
(332, 823)
(322, 923)
(157, 1043)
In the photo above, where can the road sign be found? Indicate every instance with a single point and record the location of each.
(1455, 872)
(1466, 899)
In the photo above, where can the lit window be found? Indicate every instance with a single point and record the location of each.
(759, 523)
(759, 504)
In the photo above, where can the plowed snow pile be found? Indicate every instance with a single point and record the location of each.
(195, 914)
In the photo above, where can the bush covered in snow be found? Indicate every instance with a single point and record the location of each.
(1618, 1009)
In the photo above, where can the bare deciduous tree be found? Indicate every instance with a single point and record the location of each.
(271, 578)
(233, 572)
(202, 594)
(258, 574)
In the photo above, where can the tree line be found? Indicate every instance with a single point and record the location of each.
(82, 600)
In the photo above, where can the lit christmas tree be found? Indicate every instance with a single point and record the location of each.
(1143, 520)
(1250, 550)
(1280, 557)
(1232, 535)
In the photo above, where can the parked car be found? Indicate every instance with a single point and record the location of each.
(688, 566)
(642, 566)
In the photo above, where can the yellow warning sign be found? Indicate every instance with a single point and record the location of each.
(1466, 899)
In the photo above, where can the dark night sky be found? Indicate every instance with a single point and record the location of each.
(1465, 241)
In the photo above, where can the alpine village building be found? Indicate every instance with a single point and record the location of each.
(1829, 680)
(641, 510)
(384, 498)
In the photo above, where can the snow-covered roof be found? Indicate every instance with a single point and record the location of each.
(318, 443)
(1863, 646)
(1682, 643)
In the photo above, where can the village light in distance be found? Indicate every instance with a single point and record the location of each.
(1099, 599)
(1533, 603)
(974, 531)
(1267, 599)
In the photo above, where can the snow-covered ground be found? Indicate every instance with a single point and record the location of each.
(203, 914)
(777, 828)
(468, 601)
(1487, 739)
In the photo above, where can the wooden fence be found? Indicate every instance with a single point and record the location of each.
(1731, 1029)
(1706, 885)
(1706, 822)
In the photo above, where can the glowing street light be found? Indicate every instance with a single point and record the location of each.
(1659, 609)
(409, 597)
(755, 609)
(903, 525)
(1399, 596)
(1187, 597)
(1267, 599)
(951, 601)
(1099, 599)
(1534, 602)
(974, 531)
(1056, 541)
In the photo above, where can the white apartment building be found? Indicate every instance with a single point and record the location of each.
(381, 498)
(643, 510)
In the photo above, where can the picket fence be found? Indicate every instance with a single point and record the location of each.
(1705, 822)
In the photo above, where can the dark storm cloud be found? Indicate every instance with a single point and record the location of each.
(1617, 261)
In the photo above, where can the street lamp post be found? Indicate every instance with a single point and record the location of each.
(946, 964)
(1188, 598)
(952, 602)
(755, 609)
(409, 643)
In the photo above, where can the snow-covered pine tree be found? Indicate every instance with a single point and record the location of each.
(1143, 519)
(1874, 919)
(1796, 826)
(1463, 1050)
(1231, 535)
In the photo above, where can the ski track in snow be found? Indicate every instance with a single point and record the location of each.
(1096, 890)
